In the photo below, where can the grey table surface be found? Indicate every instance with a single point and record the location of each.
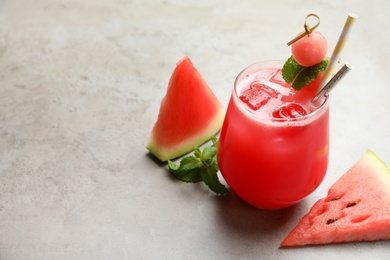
(80, 87)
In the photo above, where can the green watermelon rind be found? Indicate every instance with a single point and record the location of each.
(383, 171)
(186, 146)
(376, 174)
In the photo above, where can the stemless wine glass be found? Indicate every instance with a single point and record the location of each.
(269, 160)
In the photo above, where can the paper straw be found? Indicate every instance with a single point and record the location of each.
(343, 39)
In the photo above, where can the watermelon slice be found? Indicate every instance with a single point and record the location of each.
(190, 114)
(357, 208)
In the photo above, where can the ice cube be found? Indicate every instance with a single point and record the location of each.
(265, 75)
(289, 111)
(258, 95)
(277, 78)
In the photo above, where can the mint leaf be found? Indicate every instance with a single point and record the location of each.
(298, 75)
(209, 153)
(197, 152)
(291, 69)
(210, 178)
(202, 166)
(188, 170)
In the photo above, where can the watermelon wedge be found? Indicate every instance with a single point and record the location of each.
(357, 208)
(190, 114)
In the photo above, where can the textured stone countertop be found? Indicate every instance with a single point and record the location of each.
(80, 87)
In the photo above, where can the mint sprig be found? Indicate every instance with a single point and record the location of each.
(201, 166)
(298, 75)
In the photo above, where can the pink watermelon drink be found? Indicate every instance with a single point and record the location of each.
(273, 146)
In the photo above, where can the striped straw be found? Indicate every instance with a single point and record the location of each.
(332, 82)
(343, 39)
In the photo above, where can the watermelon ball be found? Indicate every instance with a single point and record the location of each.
(310, 50)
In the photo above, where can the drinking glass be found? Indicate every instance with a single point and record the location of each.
(272, 162)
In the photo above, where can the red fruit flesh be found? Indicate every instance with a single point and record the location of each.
(355, 209)
(190, 114)
(310, 50)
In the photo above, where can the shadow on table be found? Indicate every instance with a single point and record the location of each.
(155, 160)
(237, 217)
